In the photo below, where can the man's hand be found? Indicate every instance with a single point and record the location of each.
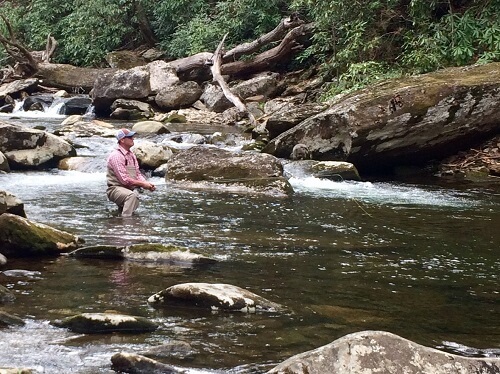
(148, 186)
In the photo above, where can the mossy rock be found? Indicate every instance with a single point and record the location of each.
(109, 252)
(23, 238)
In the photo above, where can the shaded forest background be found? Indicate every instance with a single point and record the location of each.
(354, 42)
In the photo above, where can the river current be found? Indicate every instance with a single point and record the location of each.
(417, 258)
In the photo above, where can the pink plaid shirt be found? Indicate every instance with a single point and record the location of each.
(119, 160)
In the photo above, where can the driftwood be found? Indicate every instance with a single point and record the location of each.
(216, 63)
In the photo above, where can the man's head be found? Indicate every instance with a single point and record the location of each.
(124, 133)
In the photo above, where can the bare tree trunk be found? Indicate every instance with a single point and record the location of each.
(216, 60)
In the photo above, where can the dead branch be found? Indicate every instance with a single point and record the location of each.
(17, 51)
(270, 57)
(215, 69)
(275, 35)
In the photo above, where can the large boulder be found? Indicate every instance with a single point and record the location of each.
(178, 96)
(264, 84)
(215, 168)
(161, 75)
(151, 155)
(150, 128)
(29, 148)
(407, 121)
(23, 238)
(97, 323)
(284, 115)
(121, 84)
(213, 296)
(9, 203)
(130, 109)
(371, 352)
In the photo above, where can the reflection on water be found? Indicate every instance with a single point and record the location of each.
(420, 261)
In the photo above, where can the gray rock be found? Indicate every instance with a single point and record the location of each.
(178, 96)
(150, 127)
(95, 323)
(7, 319)
(406, 121)
(6, 295)
(334, 170)
(213, 296)
(371, 352)
(214, 168)
(9, 203)
(151, 155)
(121, 84)
(147, 253)
(30, 148)
(134, 363)
(15, 88)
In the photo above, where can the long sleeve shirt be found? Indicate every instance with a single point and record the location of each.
(123, 163)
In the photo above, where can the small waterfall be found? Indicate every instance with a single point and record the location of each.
(48, 106)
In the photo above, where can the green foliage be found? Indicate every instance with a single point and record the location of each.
(360, 75)
(354, 43)
(242, 20)
(458, 38)
(93, 29)
(384, 37)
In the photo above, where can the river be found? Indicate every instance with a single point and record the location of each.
(417, 258)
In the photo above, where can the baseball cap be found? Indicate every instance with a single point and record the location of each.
(124, 133)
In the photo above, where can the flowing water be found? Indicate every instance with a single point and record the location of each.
(416, 259)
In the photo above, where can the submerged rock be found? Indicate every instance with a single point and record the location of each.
(7, 319)
(99, 251)
(371, 352)
(150, 252)
(134, 363)
(95, 323)
(213, 296)
(174, 348)
(6, 295)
